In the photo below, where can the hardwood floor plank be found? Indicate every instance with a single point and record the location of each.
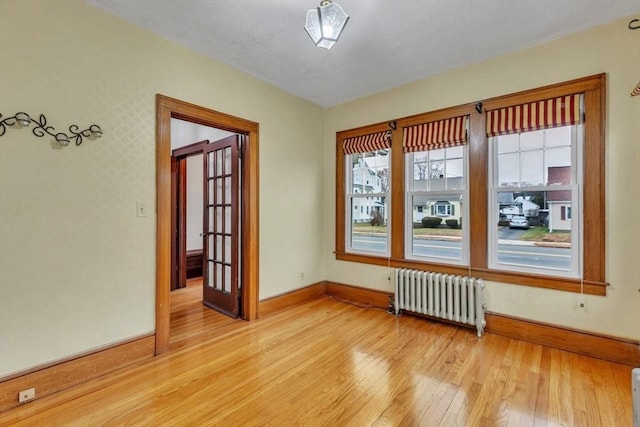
(328, 363)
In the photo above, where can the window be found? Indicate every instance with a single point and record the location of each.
(533, 173)
(368, 179)
(519, 179)
(435, 165)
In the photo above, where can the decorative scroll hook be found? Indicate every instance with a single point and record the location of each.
(634, 24)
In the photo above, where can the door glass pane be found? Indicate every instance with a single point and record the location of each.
(219, 215)
(218, 191)
(228, 255)
(227, 190)
(227, 160)
(219, 253)
(210, 190)
(218, 163)
(211, 267)
(218, 275)
(227, 220)
(211, 160)
(227, 278)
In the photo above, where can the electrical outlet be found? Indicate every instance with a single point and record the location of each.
(301, 276)
(26, 395)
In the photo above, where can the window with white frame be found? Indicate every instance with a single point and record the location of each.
(435, 187)
(536, 173)
(368, 186)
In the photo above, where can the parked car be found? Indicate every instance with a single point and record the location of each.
(519, 222)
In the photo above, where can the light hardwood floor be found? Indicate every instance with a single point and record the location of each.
(328, 363)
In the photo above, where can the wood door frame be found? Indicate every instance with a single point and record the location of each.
(166, 109)
(178, 211)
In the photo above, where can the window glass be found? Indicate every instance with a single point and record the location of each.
(533, 197)
(369, 213)
(435, 201)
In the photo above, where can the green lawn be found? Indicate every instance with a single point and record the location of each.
(533, 234)
(442, 231)
(541, 234)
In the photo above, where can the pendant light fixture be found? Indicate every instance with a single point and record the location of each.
(325, 23)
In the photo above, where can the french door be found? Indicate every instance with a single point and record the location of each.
(221, 231)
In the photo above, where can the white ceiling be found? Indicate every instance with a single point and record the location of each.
(385, 44)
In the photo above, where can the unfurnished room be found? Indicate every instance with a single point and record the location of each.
(319, 213)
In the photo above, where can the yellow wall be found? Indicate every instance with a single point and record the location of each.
(77, 267)
(612, 49)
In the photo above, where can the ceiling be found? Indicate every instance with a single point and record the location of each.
(385, 43)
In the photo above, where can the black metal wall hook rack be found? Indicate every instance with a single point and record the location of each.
(41, 129)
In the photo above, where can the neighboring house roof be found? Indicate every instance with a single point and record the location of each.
(505, 198)
(424, 199)
(527, 204)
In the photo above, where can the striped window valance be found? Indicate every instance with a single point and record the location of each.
(434, 135)
(366, 143)
(555, 112)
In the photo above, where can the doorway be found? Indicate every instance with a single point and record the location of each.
(166, 109)
(205, 214)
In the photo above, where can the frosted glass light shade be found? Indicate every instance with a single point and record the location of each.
(325, 24)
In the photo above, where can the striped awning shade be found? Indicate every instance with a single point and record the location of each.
(366, 143)
(636, 90)
(433, 135)
(562, 111)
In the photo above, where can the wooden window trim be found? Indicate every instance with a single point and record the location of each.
(594, 279)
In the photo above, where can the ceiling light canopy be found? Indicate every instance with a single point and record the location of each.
(325, 23)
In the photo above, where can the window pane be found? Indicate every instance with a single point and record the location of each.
(420, 176)
(534, 230)
(532, 140)
(508, 169)
(557, 137)
(437, 226)
(558, 165)
(369, 230)
(455, 152)
(455, 174)
(508, 143)
(531, 171)
(436, 154)
(436, 175)
(370, 172)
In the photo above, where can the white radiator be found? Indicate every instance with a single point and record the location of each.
(455, 298)
(635, 387)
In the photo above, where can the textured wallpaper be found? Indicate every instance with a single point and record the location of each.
(77, 266)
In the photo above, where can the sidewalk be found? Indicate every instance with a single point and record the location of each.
(457, 239)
